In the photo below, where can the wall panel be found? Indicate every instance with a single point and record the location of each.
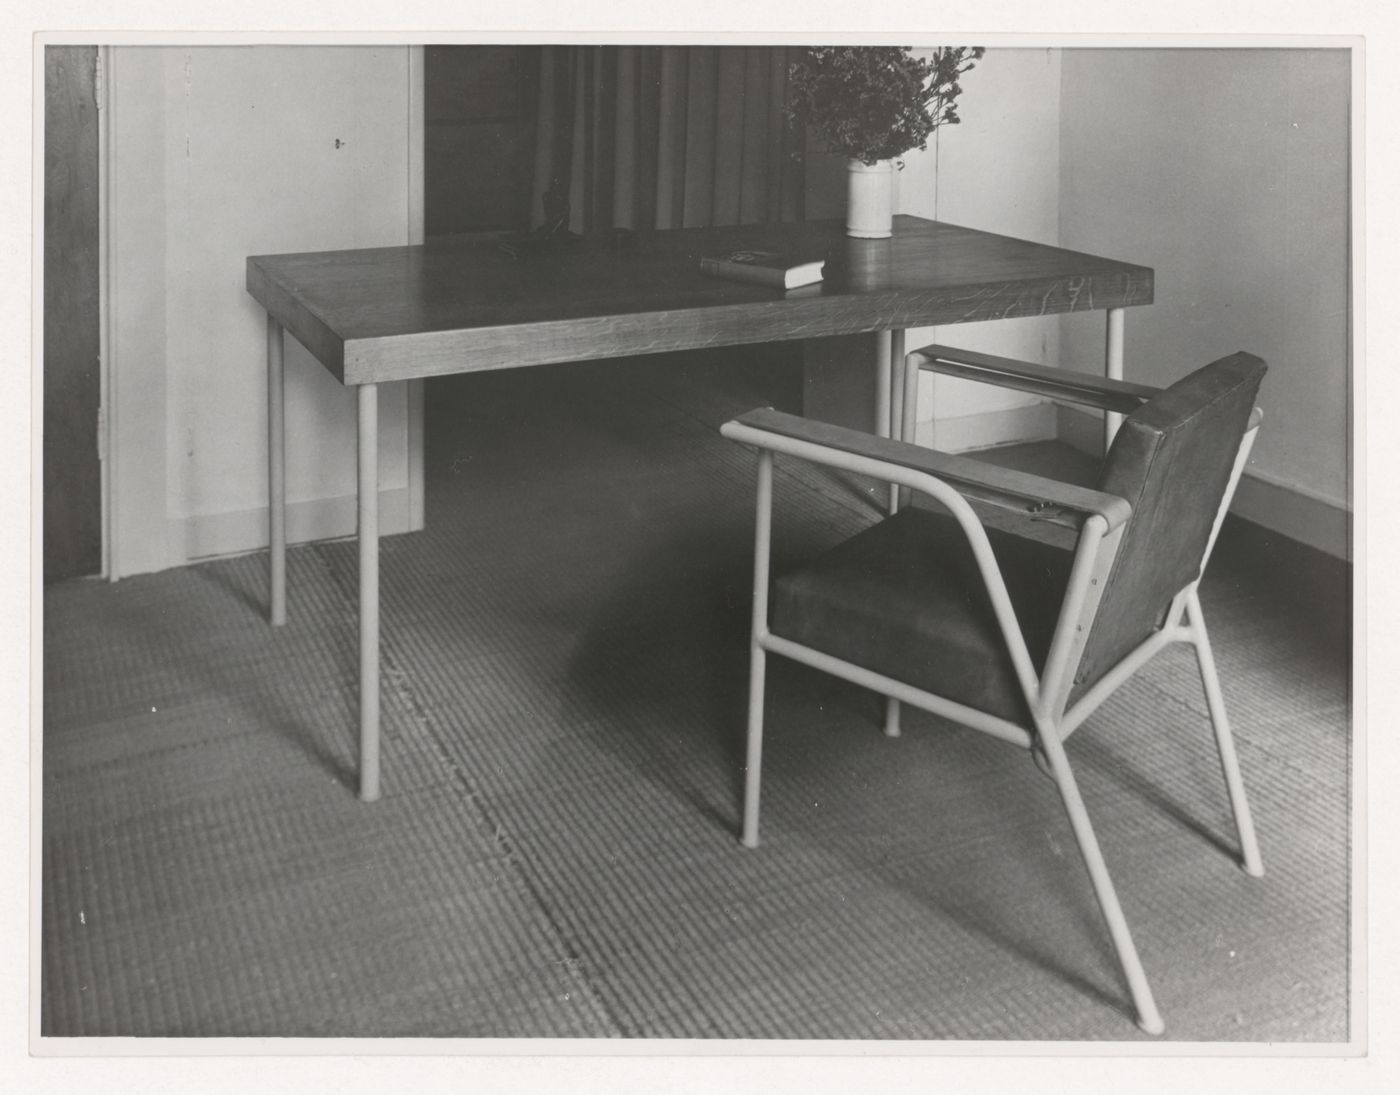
(222, 152)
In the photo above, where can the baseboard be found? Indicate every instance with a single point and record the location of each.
(1284, 508)
(988, 429)
(1315, 586)
(1079, 430)
(1294, 512)
(215, 534)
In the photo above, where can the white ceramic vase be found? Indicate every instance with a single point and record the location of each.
(870, 199)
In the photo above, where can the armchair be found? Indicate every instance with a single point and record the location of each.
(993, 624)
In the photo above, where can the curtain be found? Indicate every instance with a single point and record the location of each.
(664, 137)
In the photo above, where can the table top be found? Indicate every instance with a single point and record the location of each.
(393, 313)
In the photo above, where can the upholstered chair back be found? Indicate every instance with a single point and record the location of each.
(1172, 460)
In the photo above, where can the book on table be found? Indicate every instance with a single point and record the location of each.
(782, 270)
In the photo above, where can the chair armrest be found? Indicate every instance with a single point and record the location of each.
(1065, 385)
(1032, 496)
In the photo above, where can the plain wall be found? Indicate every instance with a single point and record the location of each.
(218, 153)
(997, 170)
(1227, 171)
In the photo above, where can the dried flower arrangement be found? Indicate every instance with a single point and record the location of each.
(874, 103)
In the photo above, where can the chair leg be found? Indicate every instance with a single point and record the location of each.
(1224, 740)
(891, 717)
(1148, 1017)
(753, 763)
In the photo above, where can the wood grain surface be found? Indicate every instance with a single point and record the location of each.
(393, 313)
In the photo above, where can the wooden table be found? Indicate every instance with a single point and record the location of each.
(397, 313)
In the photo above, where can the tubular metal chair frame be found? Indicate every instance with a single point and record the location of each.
(1098, 519)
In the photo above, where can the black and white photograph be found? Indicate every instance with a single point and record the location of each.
(659, 541)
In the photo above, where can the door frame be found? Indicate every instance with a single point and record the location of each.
(44, 386)
(106, 451)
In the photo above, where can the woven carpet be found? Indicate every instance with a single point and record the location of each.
(555, 855)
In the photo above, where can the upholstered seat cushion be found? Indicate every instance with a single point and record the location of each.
(905, 599)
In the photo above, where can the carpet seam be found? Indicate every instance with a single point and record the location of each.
(398, 681)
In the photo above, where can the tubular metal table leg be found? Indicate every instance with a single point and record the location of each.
(368, 528)
(897, 413)
(1113, 369)
(276, 474)
(892, 425)
(882, 383)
